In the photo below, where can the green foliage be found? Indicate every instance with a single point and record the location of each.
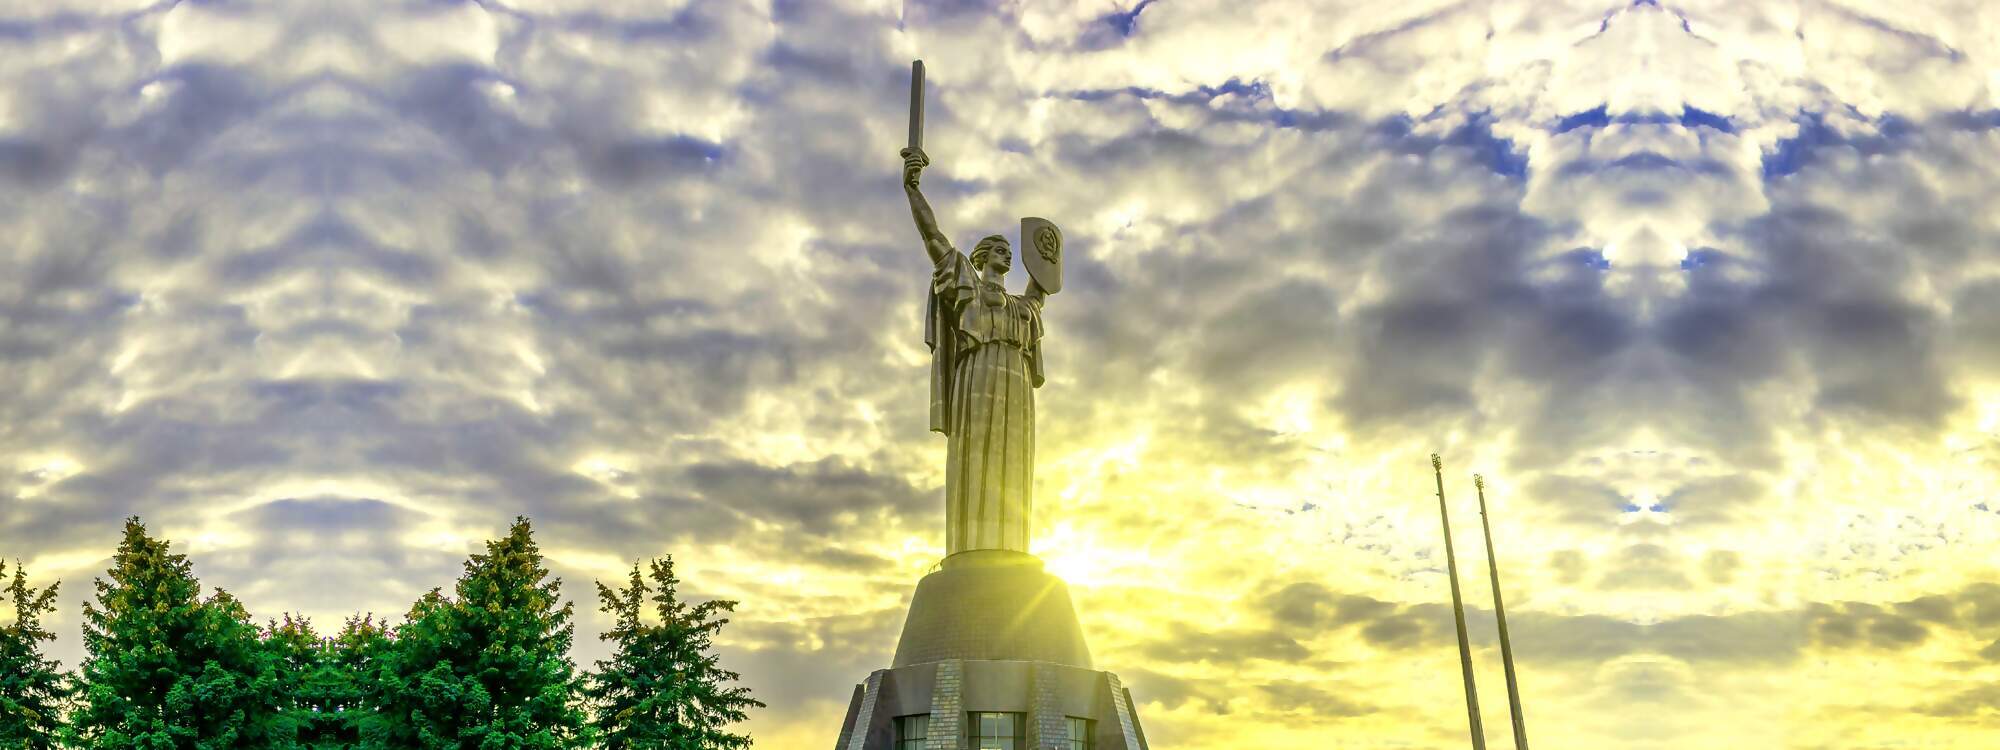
(295, 653)
(488, 669)
(323, 682)
(345, 689)
(33, 689)
(168, 670)
(485, 668)
(662, 689)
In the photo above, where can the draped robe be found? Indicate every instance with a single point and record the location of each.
(985, 365)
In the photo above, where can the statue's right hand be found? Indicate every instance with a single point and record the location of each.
(914, 162)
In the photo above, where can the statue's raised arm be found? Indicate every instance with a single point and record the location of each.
(935, 243)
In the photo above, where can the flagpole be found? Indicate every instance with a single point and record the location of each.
(1458, 613)
(1500, 614)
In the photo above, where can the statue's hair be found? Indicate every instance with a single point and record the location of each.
(985, 248)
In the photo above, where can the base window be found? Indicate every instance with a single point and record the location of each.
(998, 731)
(912, 731)
(1079, 733)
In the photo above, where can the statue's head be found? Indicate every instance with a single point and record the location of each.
(993, 254)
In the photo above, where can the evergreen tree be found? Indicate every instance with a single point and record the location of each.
(350, 678)
(323, 682)
(489, 669)
(33, 689)
(662, 689)
(167, 670)
(311, 686)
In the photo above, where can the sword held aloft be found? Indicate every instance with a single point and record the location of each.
(917, 104)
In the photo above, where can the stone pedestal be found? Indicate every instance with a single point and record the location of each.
(991, 632)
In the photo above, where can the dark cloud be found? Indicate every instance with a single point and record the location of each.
(1409, 628)
(1975, 329)
(201, 104)
(1852, 624)
(1717, 334)
(1872, 353)
(1856, 339)
(1935, 608)
(1568, 565)
(848, 560)
(1151, 686)
(813, 497)
(1331, 700)
(1720, 566)
(1979, 605)
(933, 13)
(1574, 638)
(1266, 337)
(1981, 702)
(1991, 652)
(1645, 567)
(1185, 643)
(1310, 606)
(1714, 500)
(1319, 702)
(795, 663)
(1578, 499)
(1743, 639)
(1420, 345)
(453, 102)
(1747, 638)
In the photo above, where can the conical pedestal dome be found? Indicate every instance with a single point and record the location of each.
(991, 655)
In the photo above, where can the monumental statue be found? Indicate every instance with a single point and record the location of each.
(992, 656)
(986, 362)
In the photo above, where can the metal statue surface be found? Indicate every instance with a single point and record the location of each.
(1043, 258)
(986, 362)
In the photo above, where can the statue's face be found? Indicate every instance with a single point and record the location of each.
(999, 257)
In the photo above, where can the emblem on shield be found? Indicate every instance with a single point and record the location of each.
(1042, 244)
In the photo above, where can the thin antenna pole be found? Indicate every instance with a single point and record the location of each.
(1458, 613)
(1500, 614)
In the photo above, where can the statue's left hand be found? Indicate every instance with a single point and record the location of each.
(1035, 289)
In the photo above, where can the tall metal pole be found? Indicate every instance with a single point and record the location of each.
(1458, 613)
(1500, 614)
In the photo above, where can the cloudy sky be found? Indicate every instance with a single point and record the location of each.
(328, 291)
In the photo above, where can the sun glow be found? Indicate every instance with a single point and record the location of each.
(1086, 561)
(610, 471)
(41, 473)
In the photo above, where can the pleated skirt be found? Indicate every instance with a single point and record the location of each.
(990, 470)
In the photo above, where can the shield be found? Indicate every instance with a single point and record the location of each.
(1041, 252)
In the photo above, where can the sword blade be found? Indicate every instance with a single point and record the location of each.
(917, 104)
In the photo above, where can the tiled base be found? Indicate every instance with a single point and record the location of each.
(1048, 694)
